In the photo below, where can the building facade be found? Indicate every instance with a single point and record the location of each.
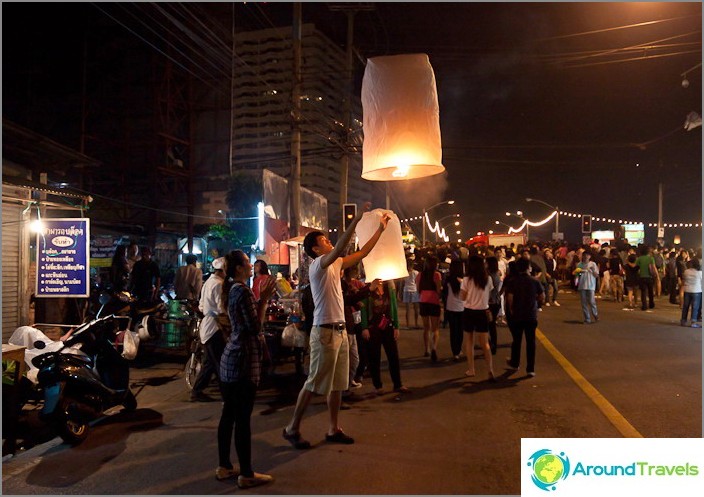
(256, 111)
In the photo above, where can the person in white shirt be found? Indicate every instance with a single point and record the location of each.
(454, 307)
(691, 292)
(189, 280)
(475, 291)
(588, 274)
(209, 331)
(329, 346)
(410, 294)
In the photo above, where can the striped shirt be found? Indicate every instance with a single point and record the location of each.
(242, 357)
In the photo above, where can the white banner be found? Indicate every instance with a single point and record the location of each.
(612, 466)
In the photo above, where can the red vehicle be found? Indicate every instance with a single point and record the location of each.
(498, 239)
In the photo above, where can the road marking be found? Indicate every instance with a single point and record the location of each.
(616, 418)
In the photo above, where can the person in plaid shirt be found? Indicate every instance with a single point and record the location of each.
(240, 369)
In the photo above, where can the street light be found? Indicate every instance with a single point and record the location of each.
(443, 218)
(425, 211)
(557, 216)
(499, 222)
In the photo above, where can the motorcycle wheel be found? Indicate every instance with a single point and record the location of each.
(68, 425)
(130, 402)
(192, 369)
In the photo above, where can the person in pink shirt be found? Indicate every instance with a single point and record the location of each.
(429, 284)
(261, 274)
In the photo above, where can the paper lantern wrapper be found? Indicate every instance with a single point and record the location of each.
(401, 119)
(387, 260)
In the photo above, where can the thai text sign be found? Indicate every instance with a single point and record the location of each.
(62, 258)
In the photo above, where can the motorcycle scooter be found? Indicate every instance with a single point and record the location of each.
(83, 377)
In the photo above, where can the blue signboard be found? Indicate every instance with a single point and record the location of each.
(63, 258)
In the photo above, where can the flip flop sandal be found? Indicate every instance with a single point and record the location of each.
(340, 437)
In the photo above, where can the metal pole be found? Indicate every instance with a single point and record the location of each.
(232, 91)
(659, 210)
(557, 222)
(295, 184)
(423, 221)
(347, 121)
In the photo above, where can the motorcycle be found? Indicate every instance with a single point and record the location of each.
(82, 376)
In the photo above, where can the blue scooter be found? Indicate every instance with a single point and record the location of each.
(83, 378)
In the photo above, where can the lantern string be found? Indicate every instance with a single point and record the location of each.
(529, 223)
(436, 229)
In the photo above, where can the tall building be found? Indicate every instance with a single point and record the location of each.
(261, 119)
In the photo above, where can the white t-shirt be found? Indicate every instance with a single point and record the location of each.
(692, 281)
(477, 299)
(210, 307)
(326, 287)
(454, 302)
(409, 283)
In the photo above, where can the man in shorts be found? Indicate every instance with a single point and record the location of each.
(329, 348)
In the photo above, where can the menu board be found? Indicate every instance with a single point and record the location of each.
(62, 258)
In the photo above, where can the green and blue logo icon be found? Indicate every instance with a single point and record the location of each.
(548, 468)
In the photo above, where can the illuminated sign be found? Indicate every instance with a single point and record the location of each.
(63, 251)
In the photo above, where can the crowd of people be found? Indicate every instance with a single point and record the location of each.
(470, 289)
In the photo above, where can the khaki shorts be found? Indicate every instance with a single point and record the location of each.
(329, 361)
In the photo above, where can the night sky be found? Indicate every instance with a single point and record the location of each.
(577, 104)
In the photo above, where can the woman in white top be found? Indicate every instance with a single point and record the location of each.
(691, 292)
(454, 307)
(475, 291)
(410, 294)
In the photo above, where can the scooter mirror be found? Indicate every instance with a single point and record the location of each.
(104, 298)
(39, 344)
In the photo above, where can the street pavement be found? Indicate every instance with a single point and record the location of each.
(633, 373)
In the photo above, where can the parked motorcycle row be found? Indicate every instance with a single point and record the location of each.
(77, 378)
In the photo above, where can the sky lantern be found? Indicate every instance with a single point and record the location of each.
(401, 119)
(387, 259)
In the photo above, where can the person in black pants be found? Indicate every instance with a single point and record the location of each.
(454, 307)
(240, 369)
(492, 265)
(380, 328)
(523, 295)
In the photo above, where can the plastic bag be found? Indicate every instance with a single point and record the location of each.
(130, 345)
(300, 339)
(288, 336)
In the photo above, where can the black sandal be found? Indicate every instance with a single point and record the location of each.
(296, 441)
(340, 437)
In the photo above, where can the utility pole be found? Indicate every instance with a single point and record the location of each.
(350, 10)
(232, 92)
(661, 233)
(295, 182)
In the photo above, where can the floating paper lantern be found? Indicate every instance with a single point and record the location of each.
(401, 119)
(387, 259)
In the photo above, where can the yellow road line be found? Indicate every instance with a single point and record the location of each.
(615, 417)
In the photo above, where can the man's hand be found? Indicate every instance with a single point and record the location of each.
(375, 284)
(396, 334)
(384, 221)
(365, 334)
